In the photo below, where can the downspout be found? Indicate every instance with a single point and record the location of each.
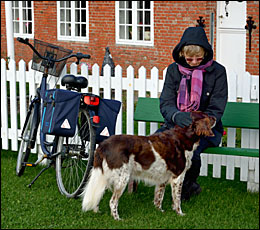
(9, 29)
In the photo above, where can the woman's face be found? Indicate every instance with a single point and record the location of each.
(194, 60)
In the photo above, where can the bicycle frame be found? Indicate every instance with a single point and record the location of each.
(43, 141)
(35, 107)
(36, 120)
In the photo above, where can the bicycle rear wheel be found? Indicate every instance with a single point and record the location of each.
(25, 144)
(76, 156)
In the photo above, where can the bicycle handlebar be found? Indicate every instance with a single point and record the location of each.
(79, 56)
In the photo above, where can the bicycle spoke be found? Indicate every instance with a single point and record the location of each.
(75, 161)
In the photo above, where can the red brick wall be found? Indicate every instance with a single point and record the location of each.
(170, 20)
(252, 58)
(3, 32)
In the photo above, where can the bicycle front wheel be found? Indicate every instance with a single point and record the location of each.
(25, 144)
(76, 156)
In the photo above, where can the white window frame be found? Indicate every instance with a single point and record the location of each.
(21, 21)
(134, 40)
(72, 37)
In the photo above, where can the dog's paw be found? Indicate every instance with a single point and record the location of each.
(159, 208)
(177, 210)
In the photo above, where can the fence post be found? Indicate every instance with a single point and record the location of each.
(106, 79)
(118, 96)
(154, 94)
(232, 97)
(22, 91)
(4, 108)
(130, 101)
(84, 72)
(13, 105)
(73, 68)
(245, 133)
(142, 93)
(32, 90)
(96, 79)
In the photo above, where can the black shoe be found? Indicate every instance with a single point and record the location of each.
(185, 194)
(189, 189)
(195, 189)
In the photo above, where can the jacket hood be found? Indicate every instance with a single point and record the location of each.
(193, 36)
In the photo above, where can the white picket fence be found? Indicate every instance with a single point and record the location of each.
(243, 87)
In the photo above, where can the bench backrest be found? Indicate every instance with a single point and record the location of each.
(148, 109)
(241, 115)
(236, 115)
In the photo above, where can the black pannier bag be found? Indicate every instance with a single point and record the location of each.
(107, 111)
(60, 112)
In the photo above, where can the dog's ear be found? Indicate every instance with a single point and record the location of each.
(203, 123)
(203, 127)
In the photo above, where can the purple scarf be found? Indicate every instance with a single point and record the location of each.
(184, 103)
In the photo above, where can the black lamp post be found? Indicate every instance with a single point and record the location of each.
(250, 26)
(226, 4)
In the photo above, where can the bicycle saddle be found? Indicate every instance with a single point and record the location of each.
(71, 80)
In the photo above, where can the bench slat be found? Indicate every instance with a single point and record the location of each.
(233, 151)
(148, 109)
(241, 115)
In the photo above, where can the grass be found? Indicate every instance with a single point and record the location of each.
(222, 205)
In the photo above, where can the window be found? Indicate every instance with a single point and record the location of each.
(134, 22)
(73, 20)
(23, 22)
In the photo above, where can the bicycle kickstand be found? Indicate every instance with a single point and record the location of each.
(29, 186)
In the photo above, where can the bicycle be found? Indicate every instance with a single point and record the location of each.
(73, 155)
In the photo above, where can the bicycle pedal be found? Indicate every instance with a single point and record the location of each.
(29, 164)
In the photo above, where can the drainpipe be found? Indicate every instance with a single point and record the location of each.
(9, 29)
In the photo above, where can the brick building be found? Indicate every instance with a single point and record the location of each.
(138, 33)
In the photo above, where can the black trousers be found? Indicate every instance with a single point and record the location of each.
(205, 142)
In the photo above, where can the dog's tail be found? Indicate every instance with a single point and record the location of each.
(94, 190)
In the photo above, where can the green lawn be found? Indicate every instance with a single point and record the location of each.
(221, 205)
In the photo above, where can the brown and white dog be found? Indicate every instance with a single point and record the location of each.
(160, 159)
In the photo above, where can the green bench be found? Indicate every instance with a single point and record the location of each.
(236, 115)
